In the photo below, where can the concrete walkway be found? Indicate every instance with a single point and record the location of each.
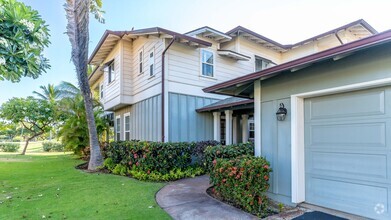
(187, 199)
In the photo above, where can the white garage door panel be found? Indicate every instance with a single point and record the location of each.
(338, 195)
(349, 165)
(347, 105)
(373, 134)
(348, 152)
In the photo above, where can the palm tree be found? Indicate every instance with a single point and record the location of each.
(77, 14)
(49, 93)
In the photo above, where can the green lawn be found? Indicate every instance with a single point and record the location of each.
(48, 186)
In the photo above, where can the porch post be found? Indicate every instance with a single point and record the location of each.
(216, 126)
(257, 118)
(244, 128)
(228, 127)
(234, 130)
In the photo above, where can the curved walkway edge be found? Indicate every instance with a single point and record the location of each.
(187, 199)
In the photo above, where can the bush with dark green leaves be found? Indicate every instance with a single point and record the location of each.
(243, 181)
(155, 161)
(50, 146)
(9, 147)
(226, 151)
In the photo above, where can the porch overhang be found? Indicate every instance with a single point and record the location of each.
(232, 103)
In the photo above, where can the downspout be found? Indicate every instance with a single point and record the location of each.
(163, 90)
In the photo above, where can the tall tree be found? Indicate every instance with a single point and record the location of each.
(77, 14)
(35, 115)
(23, 37)
(49, 93)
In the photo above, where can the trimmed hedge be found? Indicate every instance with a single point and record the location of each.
(226, 151)
(243, 181)
(155, 161)
(9, 147)
(52, 146)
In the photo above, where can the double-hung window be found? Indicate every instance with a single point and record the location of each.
(118, 128)
(151, 63)
(101, 91)
(207, 63)
(110, 70)
(127, 126)
(261, 63)
(140, 61)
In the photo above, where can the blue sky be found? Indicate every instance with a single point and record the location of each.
(285, 21)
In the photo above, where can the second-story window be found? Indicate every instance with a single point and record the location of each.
(207, 62)
(101, 91)
(110, 70)
(140, 61)
(151, 64)
(261, 63)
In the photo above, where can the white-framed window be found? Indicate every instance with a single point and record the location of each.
(140, 61)
(251, 130)
(101, 94)
(151, 63)
(110, 72)
(261, 63)
(127, 126)
(207, 63)
(118, 128)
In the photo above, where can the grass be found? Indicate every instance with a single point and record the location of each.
(48, 186)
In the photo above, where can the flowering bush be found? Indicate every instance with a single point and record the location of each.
(23, 37)
(226, 151)
(242, 181)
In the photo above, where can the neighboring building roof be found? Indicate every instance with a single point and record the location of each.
(359, 28)
(243, 83)
(209, 32)
(225, 103)
(110, 39)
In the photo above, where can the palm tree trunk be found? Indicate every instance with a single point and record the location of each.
(77, 13)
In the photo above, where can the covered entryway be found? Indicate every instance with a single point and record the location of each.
(347, 140)
(232, 120)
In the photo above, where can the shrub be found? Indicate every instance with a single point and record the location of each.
(226, 151)
(9, 147)
(156, 161)
(172, 175)
(52, 146)
(242, 181)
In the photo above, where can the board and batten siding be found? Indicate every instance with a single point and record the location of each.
(185, 124)
(374, 64)
(145, 119)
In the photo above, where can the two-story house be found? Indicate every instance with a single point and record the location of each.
(152, 79)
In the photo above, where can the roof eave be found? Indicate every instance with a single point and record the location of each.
(354, 46)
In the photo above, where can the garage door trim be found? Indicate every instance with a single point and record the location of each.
(297, 130)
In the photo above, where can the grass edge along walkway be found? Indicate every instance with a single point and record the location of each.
(48, 186)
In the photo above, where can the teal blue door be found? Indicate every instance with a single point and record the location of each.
(348, 152)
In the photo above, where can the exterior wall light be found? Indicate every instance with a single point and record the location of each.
(281, 113)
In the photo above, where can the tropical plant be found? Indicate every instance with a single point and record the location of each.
(35, 115)
(9, 130)
(74, 130)
(77, 14)
(49, 93)
(23, 37)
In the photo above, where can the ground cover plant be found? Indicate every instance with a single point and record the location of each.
(43, 187)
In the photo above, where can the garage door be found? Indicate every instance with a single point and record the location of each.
(348, 152)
